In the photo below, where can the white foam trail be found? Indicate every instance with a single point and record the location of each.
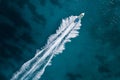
(34, 68)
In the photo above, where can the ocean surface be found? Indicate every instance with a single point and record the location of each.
(25, 26)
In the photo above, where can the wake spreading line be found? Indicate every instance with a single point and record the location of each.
(35, 67)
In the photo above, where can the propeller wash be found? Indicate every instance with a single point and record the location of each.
(35, 67)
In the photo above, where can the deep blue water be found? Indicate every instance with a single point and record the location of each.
(25, 26)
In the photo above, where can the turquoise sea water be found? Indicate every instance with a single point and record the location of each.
(25, 26)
